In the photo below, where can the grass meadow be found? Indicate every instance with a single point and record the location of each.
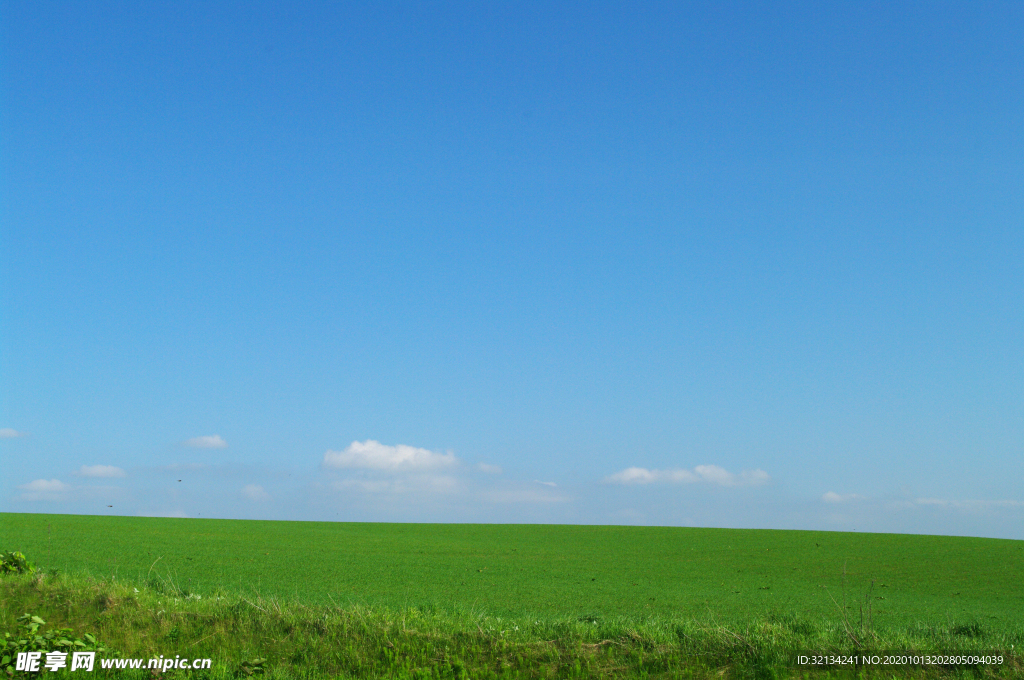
(415, 600)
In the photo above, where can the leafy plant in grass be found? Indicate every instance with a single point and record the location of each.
(252, 667)
(15, 562)
(29, 639)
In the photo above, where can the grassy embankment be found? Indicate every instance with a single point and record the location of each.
(344, 600)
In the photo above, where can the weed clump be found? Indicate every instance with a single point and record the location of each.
(15, 562)
(31, 639)
(970, 630)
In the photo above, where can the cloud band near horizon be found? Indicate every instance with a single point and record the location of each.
(710, 474)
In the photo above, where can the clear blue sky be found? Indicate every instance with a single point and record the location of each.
(716, 264)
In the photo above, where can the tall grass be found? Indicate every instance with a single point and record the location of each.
(160, 617)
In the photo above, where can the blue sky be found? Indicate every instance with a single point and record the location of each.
(713, 264)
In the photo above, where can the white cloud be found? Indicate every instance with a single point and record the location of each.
(11, 433)
(100, 471)
(833, 497)
(49, 485)
(44, 490)
(715, 475)
(711, 474)
(255, 492)
(633, 475)
(537, 481)
(372, 455)
(489, 469)
(212, 441)
(968, 505)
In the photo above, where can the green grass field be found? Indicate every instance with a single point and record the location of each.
(546, 570)
(615, 579)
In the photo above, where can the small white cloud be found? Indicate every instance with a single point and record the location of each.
(711, 474)
(100, 471)
(11, 433)
(715, 475)
(255, 492)
(44, 490)
(212, 441)
(46, 485)
(489, 469)
(833, 497)
(372, 455)
(537, 481)
(754, 477)
(633, 475)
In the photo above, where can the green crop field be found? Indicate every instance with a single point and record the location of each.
(546, 569)
(543, 573)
